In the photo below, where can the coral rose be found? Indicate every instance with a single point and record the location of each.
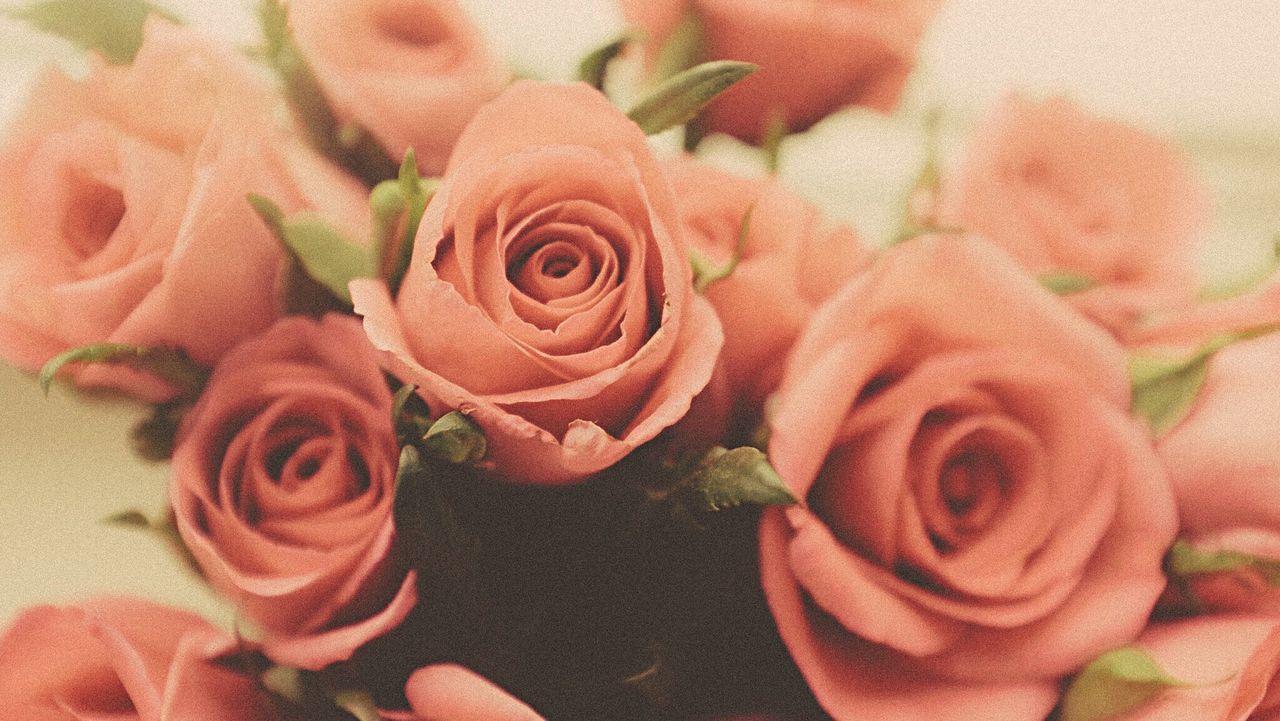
(283, 479)
(1228, 664)
(814, 55)
(791, 261)
(979, 513)
(123, 659)
(122, 207)
(549, 295)
(1065, 192)
(411, 72)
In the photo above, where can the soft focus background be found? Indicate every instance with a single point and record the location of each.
(1203, 72)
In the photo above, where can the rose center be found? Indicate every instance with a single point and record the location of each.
(412, 24)
(971, 484)
(553, 269)
(92, 218)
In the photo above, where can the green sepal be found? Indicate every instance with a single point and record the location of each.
(113, 28)
(594, 67)
(398, 206)
(926, 184)
(1165, 389)
(1184, 560)
(455, 438)
(1116, 682)
(171, 365)
(350, 146)
(728, 478)
(324, 253)
(775, 131)
(678, 99)
(154, 437)
(1064, 282)
(411, 423)
(704, 274)
(357, 702)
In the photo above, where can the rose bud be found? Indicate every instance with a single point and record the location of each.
(980, 515)
(549, 296)
(283, 480)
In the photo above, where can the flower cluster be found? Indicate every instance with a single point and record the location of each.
(553, 424)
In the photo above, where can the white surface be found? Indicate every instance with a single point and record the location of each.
(1205, 70)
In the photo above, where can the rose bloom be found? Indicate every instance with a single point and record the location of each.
(791, 261)
(1228, 664)
(447, 692)
(1224, 463)
(122, 207)
(814, 55)
(979, 514)
(549, 295)
(282, 485)
(1063, 191)
(123, 659)
(411, 72)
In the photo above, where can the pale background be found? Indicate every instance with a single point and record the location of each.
(1206, 72)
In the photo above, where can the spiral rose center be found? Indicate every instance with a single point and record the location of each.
(555, 269)
(971, 485)
(92, 217)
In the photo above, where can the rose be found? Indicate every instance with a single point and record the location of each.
(791, 261)
(979, 514)
(814, 55)
(447, 692)
(123, 213)
(411, 72)
(549, 293)
(1065, 192)
(124, 659)
(1224, 466)
(283, 478)
(1227, 666)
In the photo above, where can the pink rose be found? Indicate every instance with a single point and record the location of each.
(1229, 664)
(411, 72)
(791, 261)
(1224, 465)
(283, 479)
(814, 55)
(123, 659)
(979, 514)
(1063, 191)
(549, 295)
(447, 692)
(122, 208)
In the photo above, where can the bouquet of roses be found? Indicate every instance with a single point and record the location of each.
(480, 404)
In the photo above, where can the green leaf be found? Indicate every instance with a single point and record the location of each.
(411, 425)
(592, 69)
(1165, 389)
(170, 365)
(398, 206)
(325, 254)
(729, 478)
(1064, 282)
(679, 98)
(350, 146)
(704, 274)
(455, 438)
(113, 28)
(164, 528)
(1185, 560)
(1116, 682)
